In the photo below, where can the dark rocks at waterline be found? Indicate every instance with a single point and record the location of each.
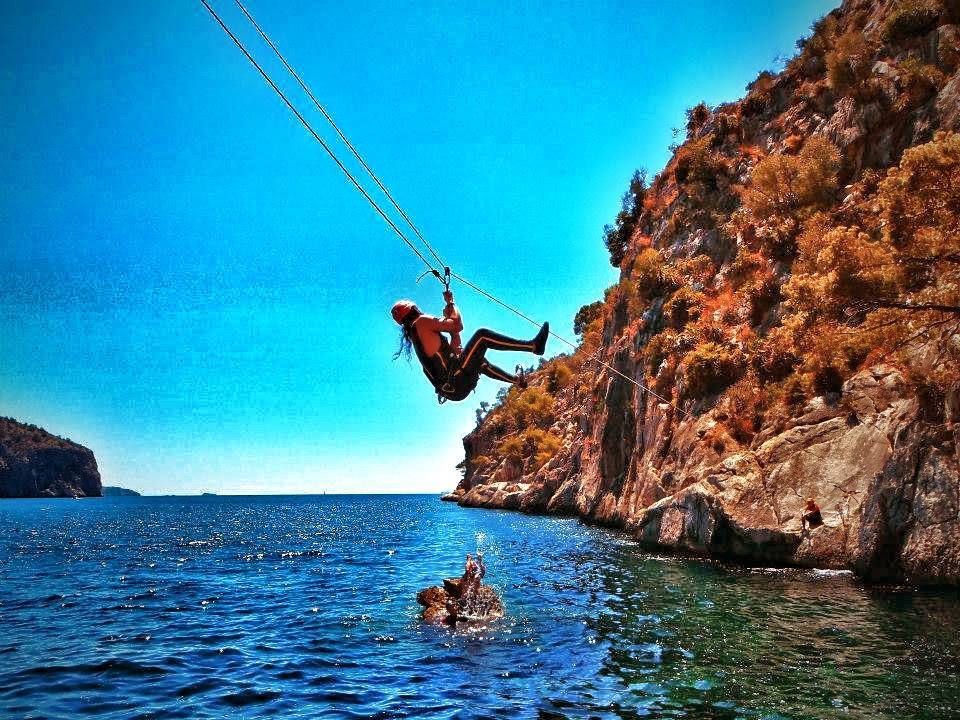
(34, 463)
(446, 604)
(887, 480)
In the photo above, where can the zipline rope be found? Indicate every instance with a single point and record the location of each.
(316, 137)
(396, 205)
(567, 342)
(323, 111)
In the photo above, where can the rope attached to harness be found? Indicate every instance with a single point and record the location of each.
(431, 270)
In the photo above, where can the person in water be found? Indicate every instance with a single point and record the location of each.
(473, 572)
(451, 369)
(811, 518)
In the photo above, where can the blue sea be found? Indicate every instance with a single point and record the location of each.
(303, 607)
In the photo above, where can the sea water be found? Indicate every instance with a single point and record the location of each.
(304, 607)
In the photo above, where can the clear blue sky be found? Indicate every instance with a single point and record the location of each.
(190, 287)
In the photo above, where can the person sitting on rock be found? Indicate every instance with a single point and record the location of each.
(811, 515)
(454, 372)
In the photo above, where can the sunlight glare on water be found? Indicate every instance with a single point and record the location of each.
(304, 607)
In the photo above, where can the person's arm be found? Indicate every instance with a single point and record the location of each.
(452, 314)
(439, 324)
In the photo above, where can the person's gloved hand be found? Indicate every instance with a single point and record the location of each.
(448, 296)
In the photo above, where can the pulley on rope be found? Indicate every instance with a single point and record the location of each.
(445, 278)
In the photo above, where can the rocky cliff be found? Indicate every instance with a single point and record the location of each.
(785, 325)
(34, 463)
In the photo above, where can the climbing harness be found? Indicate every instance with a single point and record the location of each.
(431, 270)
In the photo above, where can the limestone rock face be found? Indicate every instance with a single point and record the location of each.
(34, 463)
(880, 460)
(888, 485)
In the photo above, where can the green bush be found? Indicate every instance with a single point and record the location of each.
(709, 368)
(586, 315)
(616, 237)
(909, 18)
(697, 116)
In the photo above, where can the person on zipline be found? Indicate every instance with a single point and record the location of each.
(453, 371)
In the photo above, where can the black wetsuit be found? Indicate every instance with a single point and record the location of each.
(455, 377)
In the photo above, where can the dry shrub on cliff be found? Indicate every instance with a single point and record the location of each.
(558, 374)
(762, 295)
(683, 307)
(531, 407)
(480, 461)
(697, 117)
(745, 265)
(722, 308)
(586, 315)
(844, 274)
(919, 82)
(793, 185)
(819, 41)
(909, 18)
(533, 444)
(920, 201)
(650, 276)
(659, 348)
(696, 271)
(709, 368)
(697, 166)
(849, 63)
(760, 96)
(837, 267)
(775, 357)
(777, 237)
(728, 123)
(743, 407)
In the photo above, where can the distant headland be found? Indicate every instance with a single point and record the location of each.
(113, 491)
(34, 463)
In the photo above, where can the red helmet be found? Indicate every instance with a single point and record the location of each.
(401, 309)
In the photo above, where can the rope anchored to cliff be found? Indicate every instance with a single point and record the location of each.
(444, 276)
